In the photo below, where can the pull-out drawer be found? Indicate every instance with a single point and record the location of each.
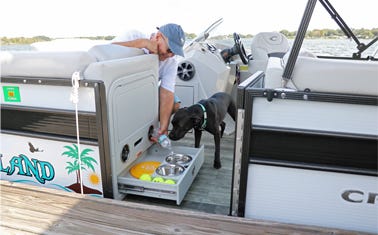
(129, 184)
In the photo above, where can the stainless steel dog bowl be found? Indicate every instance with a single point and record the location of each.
(177, 158)
(170, 170)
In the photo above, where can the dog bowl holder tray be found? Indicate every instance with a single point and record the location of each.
(128, 184)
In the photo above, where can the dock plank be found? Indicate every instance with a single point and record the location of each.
(27, 209)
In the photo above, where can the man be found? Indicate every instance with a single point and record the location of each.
(167, 42)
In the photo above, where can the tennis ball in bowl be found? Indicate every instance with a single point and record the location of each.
(169, 181)
(158, 180)
(145, 177)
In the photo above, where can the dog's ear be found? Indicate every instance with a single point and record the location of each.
(182, 109)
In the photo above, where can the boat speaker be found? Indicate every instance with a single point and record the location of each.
(186, 71)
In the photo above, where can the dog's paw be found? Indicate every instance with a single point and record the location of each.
(217, 165)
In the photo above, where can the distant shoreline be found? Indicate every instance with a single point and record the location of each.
(28, 43)
(312, 34)
(325, 47)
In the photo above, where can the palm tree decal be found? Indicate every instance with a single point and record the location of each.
(86, 162)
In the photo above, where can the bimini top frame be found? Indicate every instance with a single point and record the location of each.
(303, 29)
(347, 31)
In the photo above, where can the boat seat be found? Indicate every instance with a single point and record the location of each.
(60, 64)
(336, 76)
(275, 68)
(273, 74)
(113, 51)
(44, 63)
(269, 44)
(264, 46)
(325, 75)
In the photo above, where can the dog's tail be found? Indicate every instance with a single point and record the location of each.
(232, 109)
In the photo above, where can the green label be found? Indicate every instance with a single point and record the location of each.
(11, 94)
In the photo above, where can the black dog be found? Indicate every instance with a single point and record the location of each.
(206, 115)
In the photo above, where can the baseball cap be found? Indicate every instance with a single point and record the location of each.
(176, 37)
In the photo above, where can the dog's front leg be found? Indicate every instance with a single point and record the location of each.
(217, 161)
(223, 126)
(197, 138)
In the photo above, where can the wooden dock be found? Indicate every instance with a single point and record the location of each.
(27, 209)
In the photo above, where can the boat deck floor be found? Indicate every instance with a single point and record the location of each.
(211, 189)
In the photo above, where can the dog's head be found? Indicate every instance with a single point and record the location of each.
(182, 122)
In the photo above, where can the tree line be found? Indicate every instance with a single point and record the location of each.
(334, 33)
(316, 33)
(25, 40)
(320, 33)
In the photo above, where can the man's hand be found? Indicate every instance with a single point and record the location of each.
(155, 138)
(151, 46)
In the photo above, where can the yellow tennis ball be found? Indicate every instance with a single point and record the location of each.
(145, 177)
(158, 180)
(169, 181)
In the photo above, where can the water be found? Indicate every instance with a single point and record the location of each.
(16, 47)
(322, 47)
(336, 47)
(325, 47)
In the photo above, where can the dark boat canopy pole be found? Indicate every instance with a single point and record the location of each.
(344, 27)
(339, 21)
(298, 41)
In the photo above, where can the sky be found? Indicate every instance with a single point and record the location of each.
(74, 18)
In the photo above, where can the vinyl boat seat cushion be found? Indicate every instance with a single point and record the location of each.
(264, 46)
(60, 64)
(325, 75)
(335, 75)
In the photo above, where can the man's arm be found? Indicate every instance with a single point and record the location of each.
(165, 109)
(139, 43)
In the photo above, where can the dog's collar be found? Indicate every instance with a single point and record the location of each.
(204, 116)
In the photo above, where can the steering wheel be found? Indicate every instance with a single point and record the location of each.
(240, 48)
